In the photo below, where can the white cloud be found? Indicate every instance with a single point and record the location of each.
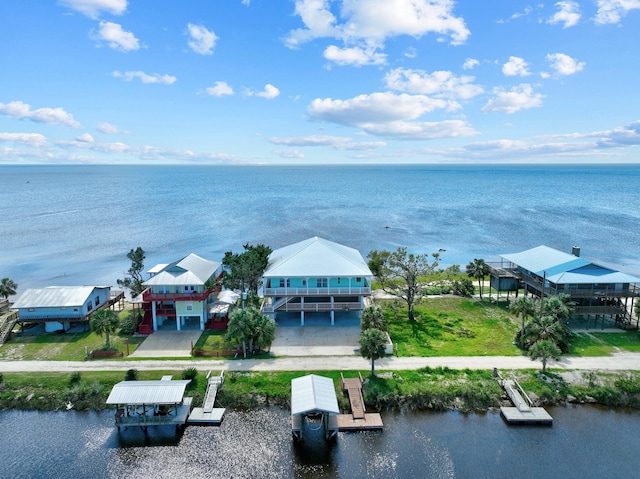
(246, 2)
(35, 140)
(219, 88)
(145, 78)
(51, 116)
(201, 41)
(356, 56)
(373, 21)
(335, 142)
(270, 92)
(92, 8)
(564, 64)
(389, 114)
(108, 128)
(440, 83)
(470, 63)
(116, 37)
(518, 98)
(611, 11)
(568, 14)
(85, 138)
(622, 136)
(516, 66)
(289, 154)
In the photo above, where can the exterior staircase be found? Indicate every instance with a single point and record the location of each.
(7, 322)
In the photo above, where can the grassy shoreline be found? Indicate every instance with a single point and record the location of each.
(427, 388)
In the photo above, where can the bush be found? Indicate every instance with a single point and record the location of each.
(74, 378)
(131, 375)
(128, 325)
(462, 287)
(189, 373)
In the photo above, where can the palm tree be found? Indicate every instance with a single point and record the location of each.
(525, 307)
(373, 318)
(239, 328)
(7, 288)
(264, 332)
(478, 269)
(105, 321)
(544, 349)
(559, 307)
(373, 343)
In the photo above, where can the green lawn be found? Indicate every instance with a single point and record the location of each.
(61, 347)
(453, 327)
(603, 344)
(212, 340)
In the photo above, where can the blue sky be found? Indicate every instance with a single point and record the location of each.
(319, 81)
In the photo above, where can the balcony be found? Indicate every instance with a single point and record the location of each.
(312, 307)
(148, 296)
(347, 290)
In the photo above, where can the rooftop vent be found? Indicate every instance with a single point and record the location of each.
(575, 251)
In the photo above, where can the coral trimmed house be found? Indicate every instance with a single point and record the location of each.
(595, 289)
(316, 278)
(60, 307)
(179, 295)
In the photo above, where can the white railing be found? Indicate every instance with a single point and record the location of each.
(347, 290)
(313, 307)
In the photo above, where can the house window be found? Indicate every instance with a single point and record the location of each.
(321, 282)
(304, 282)
(338, 280)
(282, 282)
(89, 306)
(288, 283)
(189, 306)
(358, 280)
(97, 300)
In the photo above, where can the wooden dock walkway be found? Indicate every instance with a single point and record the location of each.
(522, 412)
(208, 414)
(359, 419)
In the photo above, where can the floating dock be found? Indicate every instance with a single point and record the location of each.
(522, 412)
(207, 414)
(359, 419)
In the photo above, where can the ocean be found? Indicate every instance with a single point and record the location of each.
(74, 225)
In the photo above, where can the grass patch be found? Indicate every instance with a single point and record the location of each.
(453, 327)
(62, 347)
(604, 344)
(211, 340)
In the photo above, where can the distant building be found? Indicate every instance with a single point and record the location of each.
(179, 294)
(318, 277)
(595, 289)
(59, 307)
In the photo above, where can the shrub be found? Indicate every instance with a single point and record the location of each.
(462, 287)
(74, 378)
(189, 373)
(131, 375)
(628, 383)
(128, 325)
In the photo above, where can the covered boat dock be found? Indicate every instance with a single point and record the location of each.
(313, 396)
(150, 403)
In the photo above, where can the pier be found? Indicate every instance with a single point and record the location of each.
(359, 419)
(208, 414)
(522, 411)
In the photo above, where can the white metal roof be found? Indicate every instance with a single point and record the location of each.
(148, 392)
(313, 393)
(316, 257)
(55, 297)
(564, 268)
(190, 270)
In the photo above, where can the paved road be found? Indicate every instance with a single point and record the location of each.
(618, 361)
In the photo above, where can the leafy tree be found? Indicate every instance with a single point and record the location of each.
(243, 271)
(462, 287)
(544, 349)
(478, 269)
(523, 306)
(373, 343)
(7, 288)
(399, 272)
(134, 278)
(105, 321)
(373, 318)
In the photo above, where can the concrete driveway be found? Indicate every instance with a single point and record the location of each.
(167, 344)
(316, 341)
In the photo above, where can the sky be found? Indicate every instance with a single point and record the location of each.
(306, 82)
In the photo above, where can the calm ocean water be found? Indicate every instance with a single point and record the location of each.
(71, 225)
(584, 442)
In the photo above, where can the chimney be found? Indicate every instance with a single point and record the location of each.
(575, 251)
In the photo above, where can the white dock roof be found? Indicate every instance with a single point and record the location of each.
(313, 393)
(148, 392)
